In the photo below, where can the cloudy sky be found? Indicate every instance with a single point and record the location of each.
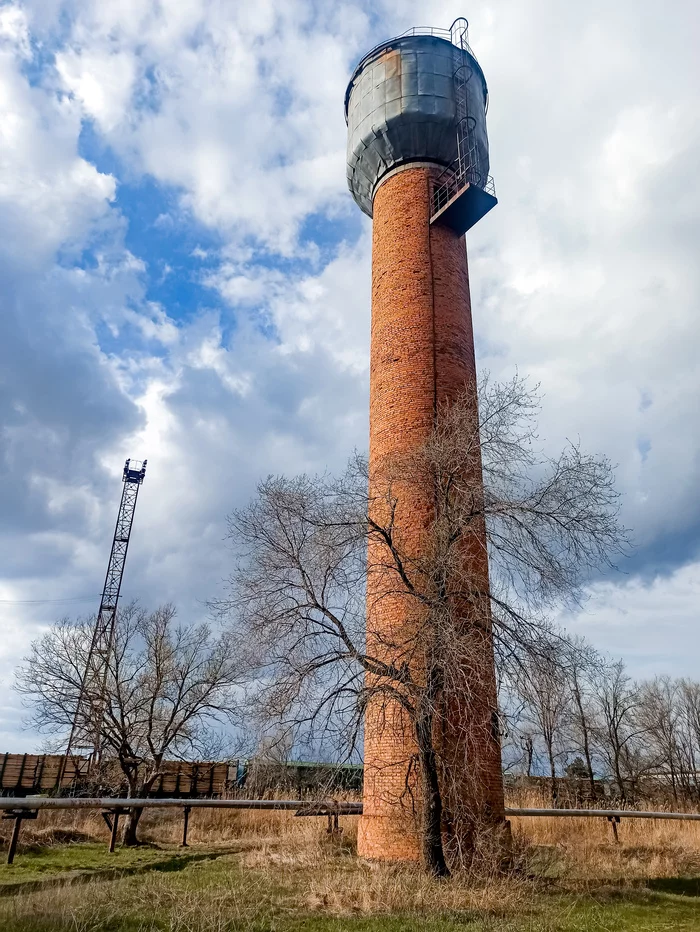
(184, 277)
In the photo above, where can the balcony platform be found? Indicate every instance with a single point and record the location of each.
(465, 208)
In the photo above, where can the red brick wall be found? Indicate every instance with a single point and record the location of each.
(422, 354)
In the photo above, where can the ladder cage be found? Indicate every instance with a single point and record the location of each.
(466, 170)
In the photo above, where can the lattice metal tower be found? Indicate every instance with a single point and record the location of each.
(86, 731)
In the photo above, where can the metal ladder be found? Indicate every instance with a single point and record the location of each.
(466, 168)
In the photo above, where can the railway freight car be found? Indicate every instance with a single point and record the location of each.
(29, 774)
(54, 774)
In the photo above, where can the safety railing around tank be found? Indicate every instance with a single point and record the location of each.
(457, 34)
(454, 179)
(426, 31)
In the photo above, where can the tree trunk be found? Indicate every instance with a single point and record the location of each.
(589, 768)
(143, 790)
(530, 746)
(672, 773)
(618, 775)
(586, 740)
(553, 774)
(130, 838)
(692, 775)
(432, 848)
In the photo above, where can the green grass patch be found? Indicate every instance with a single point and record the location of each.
(54, 866)
(82, 888)
(40, 862)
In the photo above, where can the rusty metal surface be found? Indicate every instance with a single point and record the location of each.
(46, 802)
(401, 108)
(606, 814)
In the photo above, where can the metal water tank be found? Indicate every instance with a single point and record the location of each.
(406, 102)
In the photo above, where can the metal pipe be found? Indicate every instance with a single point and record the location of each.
(40, 802)
(319, 808)
(606, 814)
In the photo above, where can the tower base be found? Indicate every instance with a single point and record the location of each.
(388, 838)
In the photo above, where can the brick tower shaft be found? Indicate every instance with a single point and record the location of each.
(422, 356)
(418, 163)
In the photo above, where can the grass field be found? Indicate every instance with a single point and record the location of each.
(262, 871)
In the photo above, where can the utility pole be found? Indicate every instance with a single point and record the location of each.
(86, 731)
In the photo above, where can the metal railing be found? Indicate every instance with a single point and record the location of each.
(23, 803)
(457, 34)
(456, 177)
(465, 169)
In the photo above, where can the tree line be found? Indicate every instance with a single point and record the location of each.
(571, 712)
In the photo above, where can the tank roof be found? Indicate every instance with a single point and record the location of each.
(417, 35)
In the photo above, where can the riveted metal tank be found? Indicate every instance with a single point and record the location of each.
(404, 103)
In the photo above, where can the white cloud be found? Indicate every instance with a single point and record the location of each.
(242, 113)
(652, 624)
(49, 195)
(585, 276)
(14, 30)
(102, 81)
(325, 310)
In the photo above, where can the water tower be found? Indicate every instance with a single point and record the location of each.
(418, 164)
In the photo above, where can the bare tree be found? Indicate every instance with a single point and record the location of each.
(689, 701)
(644, 735)
(583, 664)
(306, 546)
(518, 735)
(166, 686)
(619, 732)
(659, 714)
(668, 713)
(545, 687)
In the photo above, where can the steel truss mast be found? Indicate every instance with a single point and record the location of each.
(86, 731)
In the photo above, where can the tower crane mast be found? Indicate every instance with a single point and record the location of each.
(86, 730)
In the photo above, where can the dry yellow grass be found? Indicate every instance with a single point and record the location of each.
(562, 849)
(253, 870)
(585, 849)
(271, 864)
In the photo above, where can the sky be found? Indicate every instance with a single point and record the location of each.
(184, 277)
